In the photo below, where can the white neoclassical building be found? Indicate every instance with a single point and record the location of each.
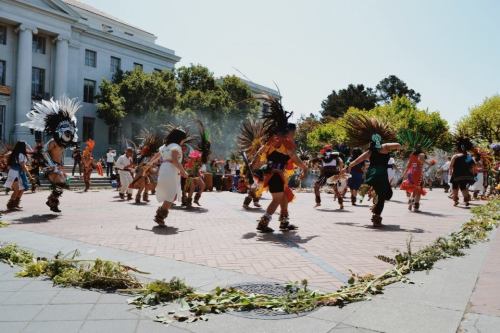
(53, 47)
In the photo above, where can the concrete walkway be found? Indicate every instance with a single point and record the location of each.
(436, 302)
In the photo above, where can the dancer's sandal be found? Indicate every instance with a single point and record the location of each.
(263, 225)
(377, 220)
(161, 215)
(416, 206)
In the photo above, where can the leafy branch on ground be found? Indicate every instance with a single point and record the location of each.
(3, 224)
(109, 275)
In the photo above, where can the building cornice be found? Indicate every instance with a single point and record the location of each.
(71, 18)
(85, 30)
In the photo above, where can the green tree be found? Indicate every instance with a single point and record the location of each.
(147, 92)
(483, 121)
(402, 113)
(392, 86)
(331, 132)
(110, 103)
(337, 103)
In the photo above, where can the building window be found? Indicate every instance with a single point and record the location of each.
(37, 83)
(88, 128)
(2, 122)
(88, 91)
(90, 58)
(113, 135)
(116, 65)
(3, 34)
(138, 66)
(38, 44)
(2, 72)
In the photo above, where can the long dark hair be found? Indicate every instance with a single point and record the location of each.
(356, 152)
(19, 148)
(175, 136)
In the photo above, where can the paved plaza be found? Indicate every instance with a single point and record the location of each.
(217, 245)
(220, 234)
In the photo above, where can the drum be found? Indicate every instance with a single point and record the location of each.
(217, 179)
(209, 181)
(227, 183)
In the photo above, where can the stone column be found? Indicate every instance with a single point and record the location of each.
(61, 67)
(23, 79)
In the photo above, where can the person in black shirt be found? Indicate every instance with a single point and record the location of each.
(461, 170)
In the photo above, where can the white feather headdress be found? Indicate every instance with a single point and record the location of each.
(43, 111)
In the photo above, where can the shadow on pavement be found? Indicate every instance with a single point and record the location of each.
(431, 214)
(394, 227)
(166, 230)
(288, 239)
(333, 210)
(193, 209)
(36, 219)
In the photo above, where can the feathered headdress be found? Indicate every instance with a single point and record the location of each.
(414, 140)
(150, 142)
(463, 143)
(204, 145)
(485, 155)
(362, 130)
(87, 152)
(251, 137)
(190, 138)
(57, 118)
(274, 116)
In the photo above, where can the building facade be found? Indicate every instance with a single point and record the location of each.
(50, 48)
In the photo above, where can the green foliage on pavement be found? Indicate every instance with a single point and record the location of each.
(100, 274)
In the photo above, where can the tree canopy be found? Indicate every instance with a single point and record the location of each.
(190, 92)
(392, 86)
(483, 121)
(337, 103)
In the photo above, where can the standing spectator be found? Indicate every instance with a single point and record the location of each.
(445, 179)
(77, 160)
(125, 166)
(110, 161)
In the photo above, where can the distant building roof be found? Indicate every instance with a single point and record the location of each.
(96, 11)
(260, 89)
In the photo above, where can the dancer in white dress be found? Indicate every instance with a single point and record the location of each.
(17, 179)
(168, 188)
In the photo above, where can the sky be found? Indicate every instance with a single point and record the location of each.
(447, 50)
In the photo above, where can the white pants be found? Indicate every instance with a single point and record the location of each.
(125, 180)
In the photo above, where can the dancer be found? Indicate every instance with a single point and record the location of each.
(88, 163)
(17, 178)
(414, 182)
(461, 166)
(357, 173)
(278, 157)
(36, 162)
(194, 181)
(146, 177)
(249, 142)
(197, 177)
(58, 120)
(483, 161)
(125, 165)
(168, 189)
(414, 171)
(362, 130)
(331, 165)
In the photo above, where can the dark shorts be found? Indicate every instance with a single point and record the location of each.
(326, 172)
(355, 181)
(462, 185)
(276, 184)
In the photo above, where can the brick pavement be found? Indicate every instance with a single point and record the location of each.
(221, 234)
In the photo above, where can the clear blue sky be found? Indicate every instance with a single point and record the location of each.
(448, 50)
